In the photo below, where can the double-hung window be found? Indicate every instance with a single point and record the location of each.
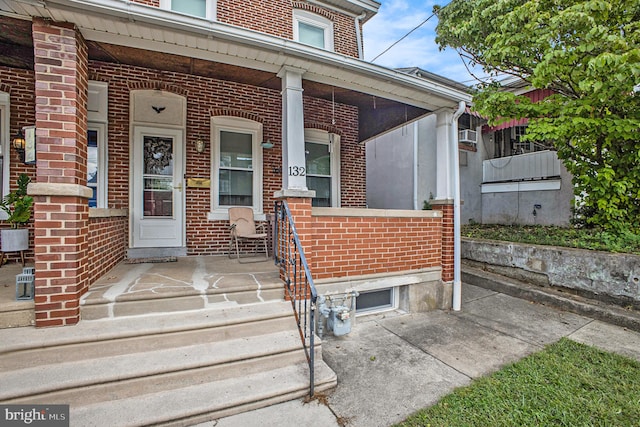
(313, 30)
(200, 8)
(236, 164)
(322, 151)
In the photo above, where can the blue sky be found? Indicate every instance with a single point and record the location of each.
(395, 19)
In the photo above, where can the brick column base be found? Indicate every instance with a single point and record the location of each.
(447, 238)
(61, 227)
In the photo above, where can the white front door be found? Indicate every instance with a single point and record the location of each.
(157, 195)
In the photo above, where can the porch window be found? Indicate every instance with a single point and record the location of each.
(236, 164)
(322, 162)
(199, 8)
(313, 30)
(5, 144)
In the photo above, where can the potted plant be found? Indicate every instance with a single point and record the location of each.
(17, 204)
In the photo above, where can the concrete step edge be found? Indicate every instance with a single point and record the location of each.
(99, 371)
(183, 294)
(130, 327)
(208, 401)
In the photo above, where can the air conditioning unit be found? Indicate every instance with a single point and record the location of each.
(468, 136)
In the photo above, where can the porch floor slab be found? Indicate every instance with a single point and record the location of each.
(13, 313)
(189, 283)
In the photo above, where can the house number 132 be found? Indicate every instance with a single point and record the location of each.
(297, 171)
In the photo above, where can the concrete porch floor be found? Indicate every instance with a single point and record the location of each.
(188, 283)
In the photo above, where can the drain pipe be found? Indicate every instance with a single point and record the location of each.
(359, 34)
(457, 283)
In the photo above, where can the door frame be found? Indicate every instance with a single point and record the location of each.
(179, 135)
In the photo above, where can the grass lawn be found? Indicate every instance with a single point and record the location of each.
(566, 384)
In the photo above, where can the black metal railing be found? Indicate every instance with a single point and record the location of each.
(289, 256)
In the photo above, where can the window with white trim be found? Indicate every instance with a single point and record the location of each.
(322, 151)
(97, 164)
(313, 30)
(236, 164)
(200, 8)
(97, 154)
(5, 146)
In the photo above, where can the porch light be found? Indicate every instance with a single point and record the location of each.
(268, 144)
(19, 143)
(200, 146)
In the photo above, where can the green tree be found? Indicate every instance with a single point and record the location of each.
(588, 53)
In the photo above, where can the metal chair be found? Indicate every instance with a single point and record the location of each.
(243, 228)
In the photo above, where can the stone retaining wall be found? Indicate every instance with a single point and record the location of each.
(608, 276)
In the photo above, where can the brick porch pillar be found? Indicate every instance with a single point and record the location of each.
(299, 203)
(446, 206)
(61, 214)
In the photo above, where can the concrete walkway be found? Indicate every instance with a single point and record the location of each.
(393, 365)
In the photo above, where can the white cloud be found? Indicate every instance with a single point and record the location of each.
(394, 20)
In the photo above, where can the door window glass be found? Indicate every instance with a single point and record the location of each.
(158, 177)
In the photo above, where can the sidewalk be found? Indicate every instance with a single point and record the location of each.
(393, 365)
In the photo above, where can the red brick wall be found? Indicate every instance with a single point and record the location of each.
(354, 246)
(207, 97)
(275, 17)
(108, 242)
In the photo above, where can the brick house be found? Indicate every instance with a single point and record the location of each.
(151, 120)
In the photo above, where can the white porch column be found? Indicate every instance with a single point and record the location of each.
(293, 151)
(444, 186)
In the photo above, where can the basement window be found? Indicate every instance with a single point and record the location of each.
(377, 300)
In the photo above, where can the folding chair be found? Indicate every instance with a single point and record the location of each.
(243, 228)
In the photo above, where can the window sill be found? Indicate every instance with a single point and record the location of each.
(106, 213)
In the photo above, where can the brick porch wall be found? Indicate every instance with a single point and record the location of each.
(345, 246)
(108, 241)
(447, 240)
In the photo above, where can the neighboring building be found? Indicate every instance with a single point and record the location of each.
(502, 180)
(152, 120)
(523, 182)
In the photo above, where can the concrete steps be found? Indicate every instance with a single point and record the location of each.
(173, 369)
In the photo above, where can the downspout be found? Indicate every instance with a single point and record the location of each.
(455, 170)
(415, 166)
(359, 34)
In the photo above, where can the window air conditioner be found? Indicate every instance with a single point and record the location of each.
(467, 136)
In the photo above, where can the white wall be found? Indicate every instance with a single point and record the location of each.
(390, 170)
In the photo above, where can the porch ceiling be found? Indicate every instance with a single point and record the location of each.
(385, 98)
